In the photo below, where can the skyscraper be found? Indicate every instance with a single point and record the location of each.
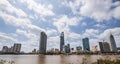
(43, 43)
(86, 45)
(61, 41)
(16, 48)
(68, 45)
(113, 44)
(5, 49)
(104, 47)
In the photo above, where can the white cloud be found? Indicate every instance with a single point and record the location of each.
(117, 3)
(100, 25)
(5, 37)
(90, 32)
(116, 12)
(96, 9)
(73, 35)
(64, 22)
(50, 6)
(8, 8)
(24, 23)
(26, 34)
(53, 42)
(74, 44)
(84, 24)
(74, 6)
(106, 33)
(42, 10)
(117, 40)
(51, 32)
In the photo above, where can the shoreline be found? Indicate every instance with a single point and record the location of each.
(57, 54)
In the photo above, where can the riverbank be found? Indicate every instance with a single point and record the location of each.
(59, 54)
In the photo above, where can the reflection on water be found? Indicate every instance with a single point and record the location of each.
(41, 59)
(56, 59)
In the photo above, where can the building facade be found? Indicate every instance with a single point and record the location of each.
(104, 47)
(78, 48)
(16, 48)
(61, 41)
(43, 43)
(66, 48)
(5, 49)
(113, 44)
(86, 46)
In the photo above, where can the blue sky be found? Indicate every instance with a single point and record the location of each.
(21, 21)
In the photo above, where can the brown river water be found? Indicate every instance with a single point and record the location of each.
(55, 59)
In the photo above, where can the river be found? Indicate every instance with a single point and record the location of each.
(55, 59)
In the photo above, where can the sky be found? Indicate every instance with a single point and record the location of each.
(21, 21)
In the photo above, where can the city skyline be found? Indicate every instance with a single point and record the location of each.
(104, 47)
(16, 48)
(21, 21)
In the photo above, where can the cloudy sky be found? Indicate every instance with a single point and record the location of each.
(21, 21)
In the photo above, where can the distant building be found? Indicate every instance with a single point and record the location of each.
(61, 41)
(53, 51)
(5, 49)
(86, 45)
(10, 50)
(34, 51)
(113, 44)
(43, 43)
(56, 51)
(104, 47)
(16, 48)
(72, 48)
(118, 49)
(66, 48)
(79, 48)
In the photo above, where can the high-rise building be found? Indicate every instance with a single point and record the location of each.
(61, 41)
(43, 43)
(113, 44)
(5, 49)
(66, 48)
(104, 47)
(86, 45)
(118, 48)
(16, 48)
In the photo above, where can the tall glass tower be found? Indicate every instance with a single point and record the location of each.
(61, 41)
(43, 43)
(113, 44)
(86, 45)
